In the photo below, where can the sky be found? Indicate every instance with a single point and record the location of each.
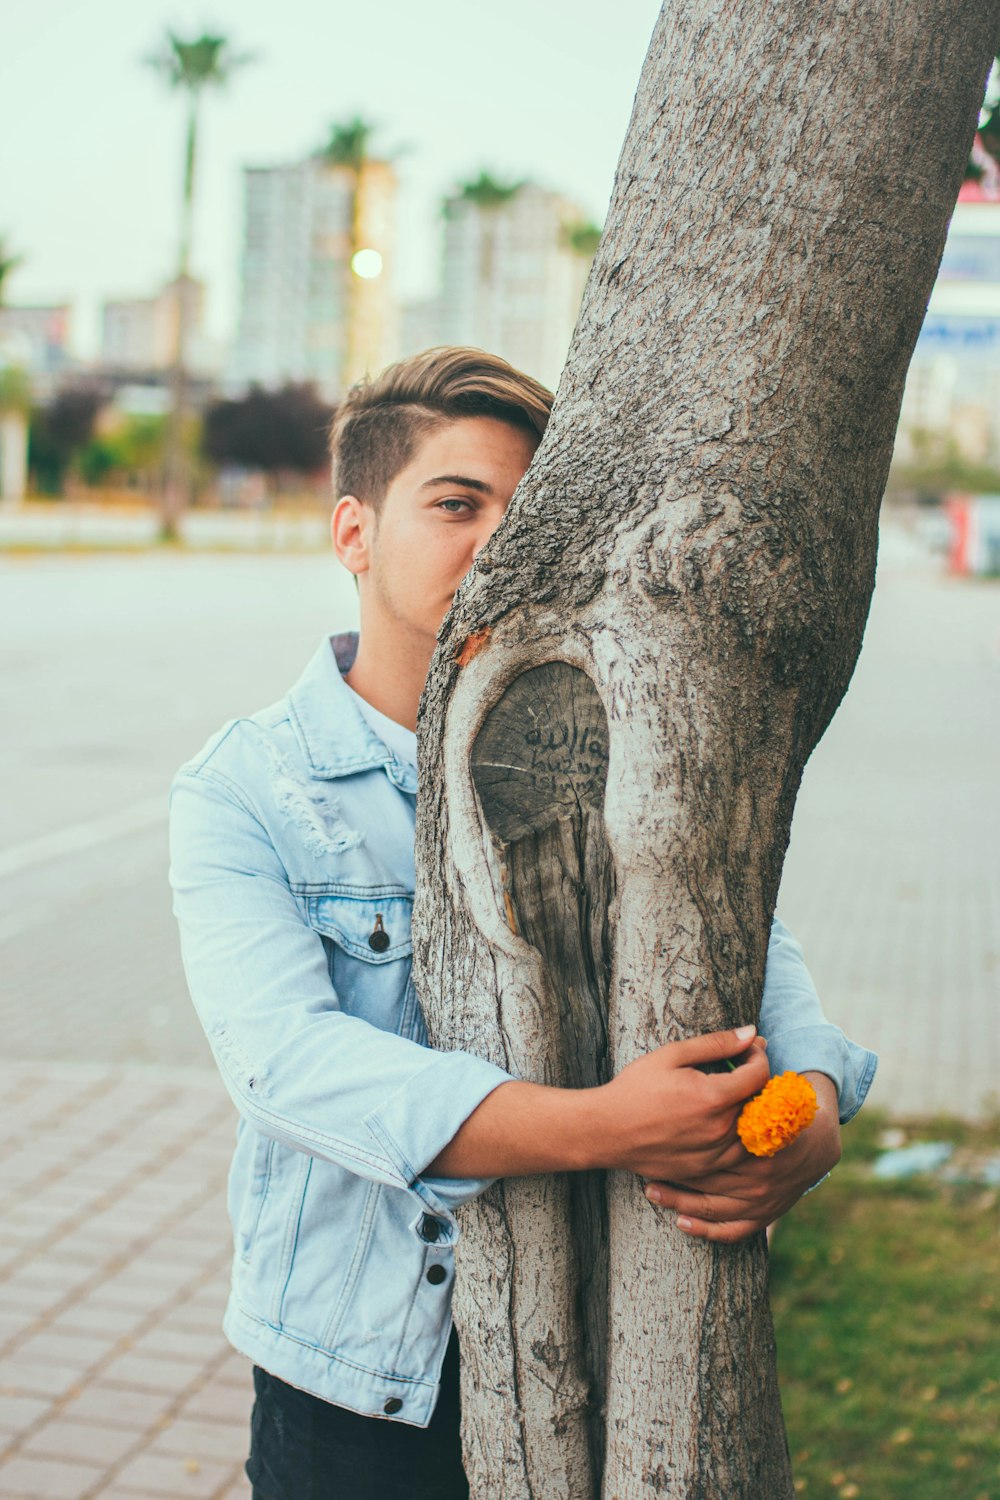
(90, 166)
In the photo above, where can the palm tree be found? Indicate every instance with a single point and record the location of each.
(8, 263)
(582, 238)
(347, 144)
(347, 148)
(488, 191)
(488, 194)
(191, 66)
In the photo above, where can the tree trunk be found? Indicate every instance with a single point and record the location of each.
(176, 492)
(634, 674)
(13, 456)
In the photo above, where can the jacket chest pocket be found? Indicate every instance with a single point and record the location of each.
(369, 953)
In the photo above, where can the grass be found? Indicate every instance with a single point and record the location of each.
(886, 1301)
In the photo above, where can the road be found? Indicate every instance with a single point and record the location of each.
(116, 668)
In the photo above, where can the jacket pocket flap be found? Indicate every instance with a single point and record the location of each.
(375, 928)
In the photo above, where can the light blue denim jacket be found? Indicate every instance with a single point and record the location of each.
(291, 856)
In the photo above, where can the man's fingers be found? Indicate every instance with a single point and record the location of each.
(714, 1046)
(747, 1079)
(711, 1207)
(723, 1234)
(704, 1216)
(724, 1162)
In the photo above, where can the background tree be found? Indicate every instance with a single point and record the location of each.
(130, 452)
(278, 432)
(8, 264)
(347, 144)
(192, 67)
(631, 681)
(987, 140)
(15, 401)
(582, 238)
(60, 432)
(348, 148)
(487, 191)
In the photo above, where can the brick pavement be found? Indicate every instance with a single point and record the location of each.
(115, 1380)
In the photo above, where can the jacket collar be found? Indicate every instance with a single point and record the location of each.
(335, 737)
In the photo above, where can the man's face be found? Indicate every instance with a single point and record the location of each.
(436, 516)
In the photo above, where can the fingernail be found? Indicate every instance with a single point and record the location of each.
(683, 1223)
(654, 1195)
(744, 1033)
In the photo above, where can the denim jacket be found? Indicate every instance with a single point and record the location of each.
(292, 870)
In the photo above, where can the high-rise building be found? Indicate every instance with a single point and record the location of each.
(317, 298)
(140, 333)
(515, 265)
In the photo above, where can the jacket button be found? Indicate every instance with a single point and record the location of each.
(392, 1406)
(378, 939)
(430, 1229)
(436, 1275)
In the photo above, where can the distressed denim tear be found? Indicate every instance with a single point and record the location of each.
(255, 1079)
(310, 807)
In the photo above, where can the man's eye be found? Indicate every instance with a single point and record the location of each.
(455, 506)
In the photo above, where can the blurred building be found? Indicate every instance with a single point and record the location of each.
(140, 334)
(952, 392)
(420, 325)
(514, 269)
(317, 301)
(36, 339)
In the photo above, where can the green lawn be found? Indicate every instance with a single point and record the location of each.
(887, 1309)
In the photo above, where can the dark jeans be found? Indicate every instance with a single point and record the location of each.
(302, 1448)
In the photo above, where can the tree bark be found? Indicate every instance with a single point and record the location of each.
(634, 674)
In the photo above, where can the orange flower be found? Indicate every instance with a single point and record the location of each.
(786, 1105)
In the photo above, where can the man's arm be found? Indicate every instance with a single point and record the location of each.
(658, 1116)
(799, 1035)
(328, 1083)
(438, 1123)
(298, 1067)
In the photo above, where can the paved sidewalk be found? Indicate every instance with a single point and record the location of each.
(115, 1380)
(89, 524)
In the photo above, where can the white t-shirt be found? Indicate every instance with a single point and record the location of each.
(400, 740)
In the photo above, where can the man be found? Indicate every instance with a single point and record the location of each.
(292, 844)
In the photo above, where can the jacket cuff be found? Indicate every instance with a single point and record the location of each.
(825, 1049)
(426, 1114)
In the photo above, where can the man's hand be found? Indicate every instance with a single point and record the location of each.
(750, 1192)
(661, 1117)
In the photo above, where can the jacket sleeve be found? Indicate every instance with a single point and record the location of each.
(799, 1036)
(299, 1068)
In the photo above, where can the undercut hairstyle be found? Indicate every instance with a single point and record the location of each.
(381, 420)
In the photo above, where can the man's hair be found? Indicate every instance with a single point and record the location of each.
(381, 420)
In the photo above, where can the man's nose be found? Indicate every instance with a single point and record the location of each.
(484, 533)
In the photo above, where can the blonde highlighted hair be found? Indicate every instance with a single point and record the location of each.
(380, 421)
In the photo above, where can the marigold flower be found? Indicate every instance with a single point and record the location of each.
(772, 1120)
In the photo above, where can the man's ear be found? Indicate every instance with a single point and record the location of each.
(350, 528)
